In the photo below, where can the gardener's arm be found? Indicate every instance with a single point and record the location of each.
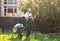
(26, 16)
(32, 17)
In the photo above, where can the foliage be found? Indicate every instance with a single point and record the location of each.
(33, 37)
(46, 13)
(42, 8)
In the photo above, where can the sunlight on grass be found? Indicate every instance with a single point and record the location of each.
(4, 38)
(33, 37)
(23, 38)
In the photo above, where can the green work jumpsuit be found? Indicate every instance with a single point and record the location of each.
(28, 27)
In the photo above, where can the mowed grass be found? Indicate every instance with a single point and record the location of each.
(33, 37)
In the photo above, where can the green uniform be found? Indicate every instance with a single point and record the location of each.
(28, 27)
(28, 23)
(19, 29)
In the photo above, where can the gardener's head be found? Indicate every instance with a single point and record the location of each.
(29, 10)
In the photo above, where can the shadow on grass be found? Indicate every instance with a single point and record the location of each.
(20, 39)
(17, 39)
(27, 39)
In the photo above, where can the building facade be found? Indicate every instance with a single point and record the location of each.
(9, 8)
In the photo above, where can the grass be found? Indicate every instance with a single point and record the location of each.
(33, 37)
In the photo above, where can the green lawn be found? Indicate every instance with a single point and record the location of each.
(33, 37)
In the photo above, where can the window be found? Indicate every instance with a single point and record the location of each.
(9, 7)
(5, 0)
(10, 2)
(5, 6)
(5, 12)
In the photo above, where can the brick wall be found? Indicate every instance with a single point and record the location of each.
(44, 26)
(9, 22)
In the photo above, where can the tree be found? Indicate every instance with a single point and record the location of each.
(45, 11)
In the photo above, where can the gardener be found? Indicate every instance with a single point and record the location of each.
(29, 19)
(19, 29)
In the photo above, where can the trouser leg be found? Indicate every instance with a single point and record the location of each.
(28, 28)
(20, 35)
(28, 33)
(19, 32)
